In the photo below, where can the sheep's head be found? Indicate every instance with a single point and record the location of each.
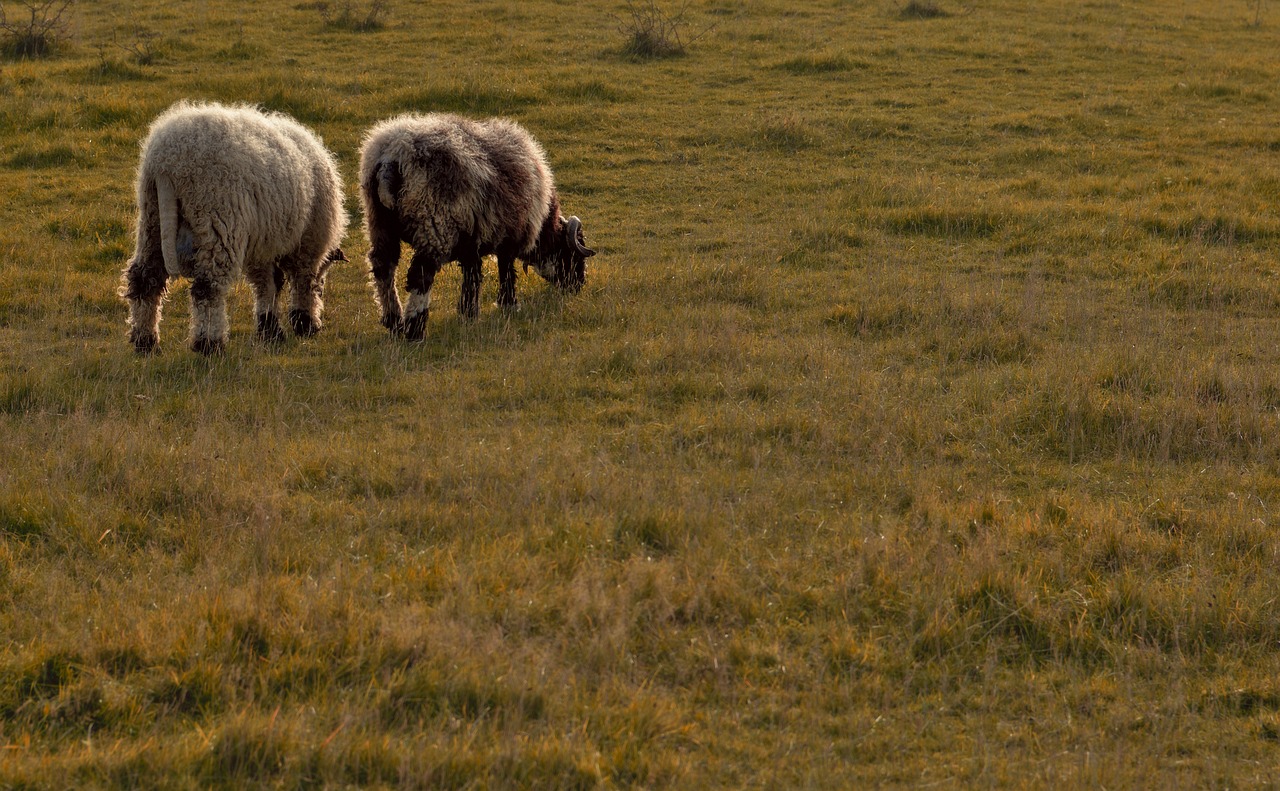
(565, 264)
(335, 255)
(322, 273)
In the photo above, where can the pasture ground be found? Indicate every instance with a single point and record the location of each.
(917, 425)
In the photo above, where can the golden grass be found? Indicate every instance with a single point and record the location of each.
(917, 424)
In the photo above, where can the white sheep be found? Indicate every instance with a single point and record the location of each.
(225, 190)
(458, 189)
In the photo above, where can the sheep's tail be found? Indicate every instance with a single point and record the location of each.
(387, 177)
(167, 204)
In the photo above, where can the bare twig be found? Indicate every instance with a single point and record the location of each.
(142, 46)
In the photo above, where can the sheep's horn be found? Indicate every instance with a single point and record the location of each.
(574, 226)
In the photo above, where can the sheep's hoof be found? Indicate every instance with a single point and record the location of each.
(144, 343)
(304, 326)
(394, 323)
(208, 346)
(415, 327)
(269, 328)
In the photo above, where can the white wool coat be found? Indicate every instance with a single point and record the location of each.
(259, 186)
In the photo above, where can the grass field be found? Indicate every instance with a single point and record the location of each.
(919, 423)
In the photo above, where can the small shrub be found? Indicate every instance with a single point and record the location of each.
(239, 49)
(653, 33)
(37, 35)
(141, 47)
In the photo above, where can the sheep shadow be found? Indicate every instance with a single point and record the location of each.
(352, 350)
(452, 340)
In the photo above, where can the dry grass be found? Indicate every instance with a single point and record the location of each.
(917, 424)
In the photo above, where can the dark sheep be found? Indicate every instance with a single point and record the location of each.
(457, 190)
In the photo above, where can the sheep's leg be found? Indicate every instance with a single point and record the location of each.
(266, 290)
(145, 283)
(215, 265)
(472, 273)
(305, 288)
(145, 280)
(507, 283)
(422, 273)
(384, 257)
(208, 314)
(273, 321)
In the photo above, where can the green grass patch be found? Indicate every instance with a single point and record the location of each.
(916, 424)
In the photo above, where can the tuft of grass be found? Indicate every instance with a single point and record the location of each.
(22, 520)
(876, 321)
(111, 70)
(428, 692)
(247, 750)
(588, 91)
(945, 223)
(238, 50)
(55, 157)
(822, 64)
(101, 116)
(347, 15)
(657, 533)
(1211, 229)
(922, 9)
(788, 133)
